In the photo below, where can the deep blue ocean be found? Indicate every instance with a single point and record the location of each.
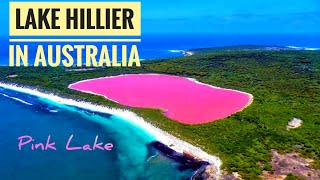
(155, 46)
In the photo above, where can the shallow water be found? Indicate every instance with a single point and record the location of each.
(131, 157)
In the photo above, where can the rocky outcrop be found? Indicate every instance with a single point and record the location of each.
(291, 163)
(208, 172)
(187, 160)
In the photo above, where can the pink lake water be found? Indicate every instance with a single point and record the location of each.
(181, 99)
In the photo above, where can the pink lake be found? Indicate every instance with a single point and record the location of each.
(181, 99)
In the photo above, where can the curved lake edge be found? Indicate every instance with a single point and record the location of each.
(164, 111)
(185, 151)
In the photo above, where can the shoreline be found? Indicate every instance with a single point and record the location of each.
(183, 52)
(250, 96)
(171, 141)
(188, 53)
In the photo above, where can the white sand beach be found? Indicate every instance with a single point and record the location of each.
(162, 136)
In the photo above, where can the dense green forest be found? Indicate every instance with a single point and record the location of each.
(285, 84)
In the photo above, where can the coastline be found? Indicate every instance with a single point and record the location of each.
(188, 53)
(183, 52)
(173, 142)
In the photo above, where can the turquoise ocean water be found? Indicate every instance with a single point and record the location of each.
(131, 158)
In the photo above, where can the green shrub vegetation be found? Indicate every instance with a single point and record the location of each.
(285, 84)
(292, 177)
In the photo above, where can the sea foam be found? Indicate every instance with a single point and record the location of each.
(17, 99)
(162, 136)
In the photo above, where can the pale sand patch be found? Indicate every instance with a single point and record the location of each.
(12, 76)
(294, 123)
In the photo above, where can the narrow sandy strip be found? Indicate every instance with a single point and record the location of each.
(129, 116)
